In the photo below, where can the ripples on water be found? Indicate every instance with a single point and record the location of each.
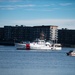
(21, 62)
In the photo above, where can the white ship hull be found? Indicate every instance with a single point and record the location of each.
(36, 46)
(39, 47)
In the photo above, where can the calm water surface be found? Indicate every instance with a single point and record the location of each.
(21, 62)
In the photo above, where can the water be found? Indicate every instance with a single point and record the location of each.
(21, 62)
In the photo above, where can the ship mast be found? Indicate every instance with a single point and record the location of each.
(42, 36)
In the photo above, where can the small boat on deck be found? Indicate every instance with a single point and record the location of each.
(71, 53)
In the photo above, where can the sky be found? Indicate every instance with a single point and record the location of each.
(38, 12)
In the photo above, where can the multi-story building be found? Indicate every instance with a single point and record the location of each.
(7, 33)
(17, 33)
(66, 37)
(1, 34)
(50, 32)
(27, 33)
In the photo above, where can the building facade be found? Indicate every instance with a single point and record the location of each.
(28, 33)
(66, 37)
(1, 34)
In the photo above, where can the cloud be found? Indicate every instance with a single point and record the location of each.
(9, 7)
(61, 23)
(28, 1)
(14, 0)
(10, 0)
(65, 4)
(43, 7)
(28, 5)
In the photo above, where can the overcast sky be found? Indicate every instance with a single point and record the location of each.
(38, 12)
